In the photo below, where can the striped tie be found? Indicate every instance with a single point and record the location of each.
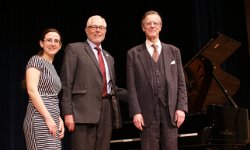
(155, 55)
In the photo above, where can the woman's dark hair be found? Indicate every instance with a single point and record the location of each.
(47, 31)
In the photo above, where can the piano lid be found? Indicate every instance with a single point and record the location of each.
(206, 82)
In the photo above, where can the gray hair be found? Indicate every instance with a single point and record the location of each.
(93, 18)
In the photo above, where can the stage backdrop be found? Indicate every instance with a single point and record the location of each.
(188, 24)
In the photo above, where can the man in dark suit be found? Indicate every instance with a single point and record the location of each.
(156, 88)
(88, 84)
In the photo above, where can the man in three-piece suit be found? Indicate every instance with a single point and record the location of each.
(88, 84)
(156, 88)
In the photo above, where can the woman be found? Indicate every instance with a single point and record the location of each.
(43, 126)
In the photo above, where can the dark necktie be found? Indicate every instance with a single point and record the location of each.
(102, 67)
(155, 55)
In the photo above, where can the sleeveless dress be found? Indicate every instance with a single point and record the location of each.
(36, 132)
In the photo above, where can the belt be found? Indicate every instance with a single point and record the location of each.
(108, 96)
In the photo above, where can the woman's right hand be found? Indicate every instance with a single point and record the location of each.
(51, 125)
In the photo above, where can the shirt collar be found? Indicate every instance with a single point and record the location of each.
(158, 43)
(92, 45)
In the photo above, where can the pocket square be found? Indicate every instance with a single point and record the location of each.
(172, 62)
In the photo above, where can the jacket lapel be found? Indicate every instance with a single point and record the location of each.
(106, 55)
(166, 53)
(92, 56)
(144, 59)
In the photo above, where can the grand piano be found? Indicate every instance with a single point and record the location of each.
(214, 121)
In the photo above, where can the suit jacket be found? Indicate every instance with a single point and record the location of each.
(140, 82)
(82, 82)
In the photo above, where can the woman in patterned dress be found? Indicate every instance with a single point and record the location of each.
(43, 126)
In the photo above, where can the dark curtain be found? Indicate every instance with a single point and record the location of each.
(186, 24)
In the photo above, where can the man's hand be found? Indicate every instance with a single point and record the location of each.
(179, 117)
(138, 121)
(69, 122)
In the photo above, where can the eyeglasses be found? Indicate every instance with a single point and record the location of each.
(56, 41)
(97, 27)
(152, 23)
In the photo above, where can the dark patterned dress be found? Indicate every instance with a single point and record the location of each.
(36, 132)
